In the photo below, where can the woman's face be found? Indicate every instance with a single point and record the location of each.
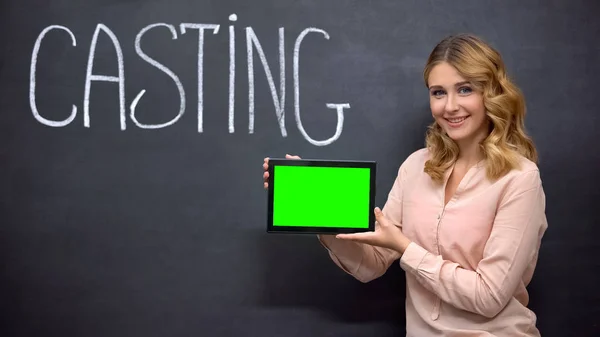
(456, 106)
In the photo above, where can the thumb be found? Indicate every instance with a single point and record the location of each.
(380, 217)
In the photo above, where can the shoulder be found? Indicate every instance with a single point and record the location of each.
(526, 169)
(416, 159)
(414, 163)
(524, 178)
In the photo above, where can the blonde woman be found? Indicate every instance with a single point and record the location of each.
(466, 214)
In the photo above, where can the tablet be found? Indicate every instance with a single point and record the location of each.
(313, 196)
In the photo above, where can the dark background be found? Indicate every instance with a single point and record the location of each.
(161, 232)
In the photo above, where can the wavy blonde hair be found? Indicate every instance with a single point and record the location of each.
(483, 67)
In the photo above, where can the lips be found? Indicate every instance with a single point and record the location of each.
(456, 121)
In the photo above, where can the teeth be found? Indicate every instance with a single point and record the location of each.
(456, 120)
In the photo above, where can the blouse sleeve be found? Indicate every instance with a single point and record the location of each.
(512, 246)
(365, 262)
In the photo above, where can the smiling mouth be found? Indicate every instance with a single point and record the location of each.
(457, 119)
(456, 122)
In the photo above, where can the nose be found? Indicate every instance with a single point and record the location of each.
(451, 103)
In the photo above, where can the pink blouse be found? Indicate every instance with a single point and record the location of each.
(469, 262)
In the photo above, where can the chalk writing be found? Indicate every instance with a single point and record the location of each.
(32, 104)
(339, 107)
(89, 77)
(279, 103)
(253, 47)
(201, 28)
(166, 70)
(232, 18)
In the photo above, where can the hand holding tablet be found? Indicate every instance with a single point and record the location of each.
(319, 196)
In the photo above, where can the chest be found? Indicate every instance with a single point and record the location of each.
(452, 185)
(454, 222)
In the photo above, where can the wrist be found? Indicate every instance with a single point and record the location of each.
(403, 243)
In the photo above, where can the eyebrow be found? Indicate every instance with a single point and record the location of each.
(456, 85)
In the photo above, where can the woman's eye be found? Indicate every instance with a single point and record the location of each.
(437, 92)
(464, 90)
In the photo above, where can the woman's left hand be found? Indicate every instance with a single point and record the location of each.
(386, 235)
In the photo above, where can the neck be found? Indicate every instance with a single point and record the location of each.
(469, 153)
(469, 150)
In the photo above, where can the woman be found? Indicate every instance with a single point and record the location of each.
(466, 214)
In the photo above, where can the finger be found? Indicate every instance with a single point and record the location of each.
(379, 217)
(288, 156)
(265, 166)
(266, 185)
(354, 236)
(345, 237)
(266, 175)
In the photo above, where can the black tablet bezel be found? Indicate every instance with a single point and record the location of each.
(372, 165)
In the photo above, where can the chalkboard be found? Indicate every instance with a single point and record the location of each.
(132, 135)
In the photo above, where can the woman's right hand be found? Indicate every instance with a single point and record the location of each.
(266, 169)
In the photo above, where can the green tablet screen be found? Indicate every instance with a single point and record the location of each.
(309, 196)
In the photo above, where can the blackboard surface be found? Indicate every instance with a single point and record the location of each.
(142, 212)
